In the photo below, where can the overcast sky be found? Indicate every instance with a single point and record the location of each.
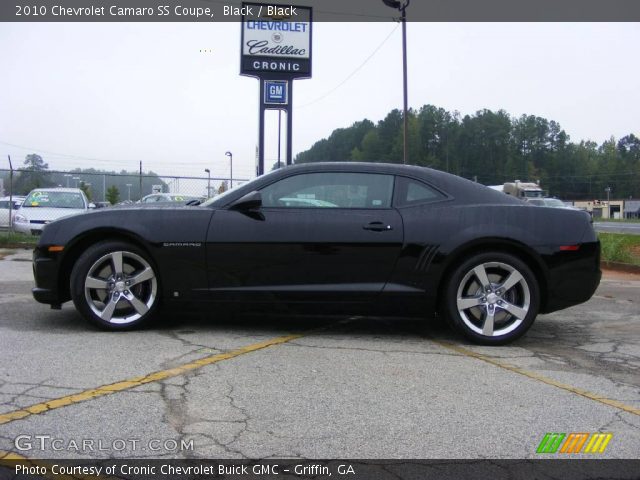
(108, 95)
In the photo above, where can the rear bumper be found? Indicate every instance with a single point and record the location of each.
(573, 277)
(29, 228)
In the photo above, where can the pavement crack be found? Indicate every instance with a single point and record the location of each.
(173, 335)
(177, 411)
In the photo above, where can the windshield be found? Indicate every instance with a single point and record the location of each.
(533, 193)
(54, 199)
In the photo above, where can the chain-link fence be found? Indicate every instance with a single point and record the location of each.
(29, 198)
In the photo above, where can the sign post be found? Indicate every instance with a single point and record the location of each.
(276, 49)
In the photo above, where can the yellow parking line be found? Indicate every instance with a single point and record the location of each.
(43, 407)
(541, 378)
(11, 456)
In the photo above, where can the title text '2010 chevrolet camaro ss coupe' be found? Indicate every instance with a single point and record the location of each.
(332, 237)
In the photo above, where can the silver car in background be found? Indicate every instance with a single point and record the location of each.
(6, 207)
(44, 205)
(549, 202)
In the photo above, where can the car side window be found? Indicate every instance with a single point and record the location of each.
(414, 192)
(330, 190)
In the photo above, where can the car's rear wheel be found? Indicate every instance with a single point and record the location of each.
(115, 286)
(492, 298)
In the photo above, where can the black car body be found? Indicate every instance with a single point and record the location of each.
(359, 237)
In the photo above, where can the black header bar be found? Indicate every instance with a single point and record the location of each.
(324, 10)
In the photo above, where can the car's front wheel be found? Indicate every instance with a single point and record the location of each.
(115, 286)
(492, 298)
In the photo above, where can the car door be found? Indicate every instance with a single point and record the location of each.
(329, 235)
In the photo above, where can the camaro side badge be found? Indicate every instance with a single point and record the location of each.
(182, 244)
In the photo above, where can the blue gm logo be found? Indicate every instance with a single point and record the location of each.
(276, 92)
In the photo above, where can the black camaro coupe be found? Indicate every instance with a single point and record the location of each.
(329, 238)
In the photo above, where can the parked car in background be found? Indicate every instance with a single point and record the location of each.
(44, 205)
(549, 202)
(102, 204)
(170, 198)
(4, 209)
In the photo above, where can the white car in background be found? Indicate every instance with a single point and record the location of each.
(44, 205)
(170, 198)
(550, 202)
(4, 209)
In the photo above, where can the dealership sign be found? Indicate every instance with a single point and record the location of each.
(276, 39)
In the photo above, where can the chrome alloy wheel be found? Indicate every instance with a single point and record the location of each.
(120, 287)
(493, 299)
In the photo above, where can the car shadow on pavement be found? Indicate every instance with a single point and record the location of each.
(36, 318)
(317, 325)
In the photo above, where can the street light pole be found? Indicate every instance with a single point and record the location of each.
(608, 190)
(402, 7)
(230, 155)
(208, 182)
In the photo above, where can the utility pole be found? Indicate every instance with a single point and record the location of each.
(208, 182)
(404, 79)
(140, 179)
(230, 155)
(402, 7)
(10, 194)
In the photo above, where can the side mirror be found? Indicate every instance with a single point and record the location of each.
(251, 201)
(92, 205)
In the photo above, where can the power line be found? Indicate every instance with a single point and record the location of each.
(67, 155)
(352, 73)
(245, 171)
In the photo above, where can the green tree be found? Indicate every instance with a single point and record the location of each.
(33, 175)
(495, 148)
(113, 195)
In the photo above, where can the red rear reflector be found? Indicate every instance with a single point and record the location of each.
(569, 248)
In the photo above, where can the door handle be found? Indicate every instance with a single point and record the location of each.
(377, 227)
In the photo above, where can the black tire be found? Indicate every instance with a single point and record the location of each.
(110, 299)
(468, 302)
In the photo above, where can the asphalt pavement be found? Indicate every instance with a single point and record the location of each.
(207, 385)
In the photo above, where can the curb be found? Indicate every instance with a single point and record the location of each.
(17, 246)
(621, 267)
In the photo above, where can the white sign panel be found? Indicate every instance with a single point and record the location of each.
(276, 38)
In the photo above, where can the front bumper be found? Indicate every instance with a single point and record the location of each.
(44, 295)
(46, 269)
